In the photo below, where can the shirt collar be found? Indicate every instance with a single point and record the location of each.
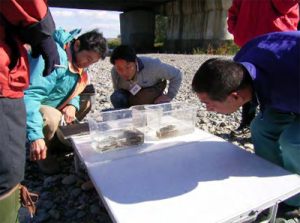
(250, 68)
(252, 71)
(139, 65)
(72, 67)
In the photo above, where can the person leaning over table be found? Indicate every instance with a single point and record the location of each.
(55, 98)
(141, 80)
(265, 71)
(30, 22)
(245, 21)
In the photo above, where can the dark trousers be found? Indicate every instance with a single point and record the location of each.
(121, 98)
(12, 142)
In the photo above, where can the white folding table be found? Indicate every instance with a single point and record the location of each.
(192, 178)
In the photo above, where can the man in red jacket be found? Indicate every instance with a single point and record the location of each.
(250, 18)
(21, 21)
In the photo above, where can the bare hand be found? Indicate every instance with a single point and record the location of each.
(162, 99)
(69, 113)
(38, 150)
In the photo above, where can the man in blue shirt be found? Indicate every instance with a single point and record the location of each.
(265, 71)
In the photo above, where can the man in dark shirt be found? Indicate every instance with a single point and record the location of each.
(265, 71)
(279, 15)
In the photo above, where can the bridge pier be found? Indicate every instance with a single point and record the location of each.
(195, 24)
(137, 29)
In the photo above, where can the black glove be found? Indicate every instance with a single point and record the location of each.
(47, 48)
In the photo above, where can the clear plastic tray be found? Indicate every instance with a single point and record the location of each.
(114, 130)
(165, 120)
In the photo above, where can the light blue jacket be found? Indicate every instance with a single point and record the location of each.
(52, 90)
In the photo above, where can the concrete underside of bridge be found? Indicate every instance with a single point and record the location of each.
(111, 5)
(191, 23)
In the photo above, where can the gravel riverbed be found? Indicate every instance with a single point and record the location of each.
(69, 196)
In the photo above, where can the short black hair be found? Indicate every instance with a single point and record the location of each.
(219, 77)
(93, 41)
(123, 52)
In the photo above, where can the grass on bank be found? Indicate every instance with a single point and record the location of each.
(225, 48)
(113, 43)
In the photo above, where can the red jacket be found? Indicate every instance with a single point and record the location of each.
(19, 14)
(250, 18)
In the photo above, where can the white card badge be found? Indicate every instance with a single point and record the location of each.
(135, 88)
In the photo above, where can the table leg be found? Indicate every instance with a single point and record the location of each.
(76, 163)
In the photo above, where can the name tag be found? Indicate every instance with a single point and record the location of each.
(135, 88)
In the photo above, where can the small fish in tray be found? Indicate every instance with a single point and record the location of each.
(133, 137)
(108, 143)
(128, 137)
(167, 131)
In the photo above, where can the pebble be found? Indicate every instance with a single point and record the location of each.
(75, 192)
(71, 179)
(94, 209)
(86, 186)
(80, 214)
(47, 204)
(54, 214)
(70, 197)
(41, 216)
(249, 146)
(70, 213)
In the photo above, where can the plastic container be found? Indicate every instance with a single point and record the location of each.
(139, 117)
(114, 130)
(178, 119)
(166, 120)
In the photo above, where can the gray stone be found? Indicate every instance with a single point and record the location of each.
(47, 204)
(75, 192)
(86, 186)
(68, 180)
(54, 214)
(70, 213)
(80, 214)
(94, 208)
(42, 216)
(44, 195)
(249, 147)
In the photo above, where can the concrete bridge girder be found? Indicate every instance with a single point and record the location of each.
(110, 5)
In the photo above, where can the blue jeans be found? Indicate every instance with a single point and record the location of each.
(120, 99)
(276, 137)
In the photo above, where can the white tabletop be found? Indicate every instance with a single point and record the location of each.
(193, 178)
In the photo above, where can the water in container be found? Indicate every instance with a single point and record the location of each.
(114, 130)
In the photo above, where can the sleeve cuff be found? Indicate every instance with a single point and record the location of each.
(35, 33)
